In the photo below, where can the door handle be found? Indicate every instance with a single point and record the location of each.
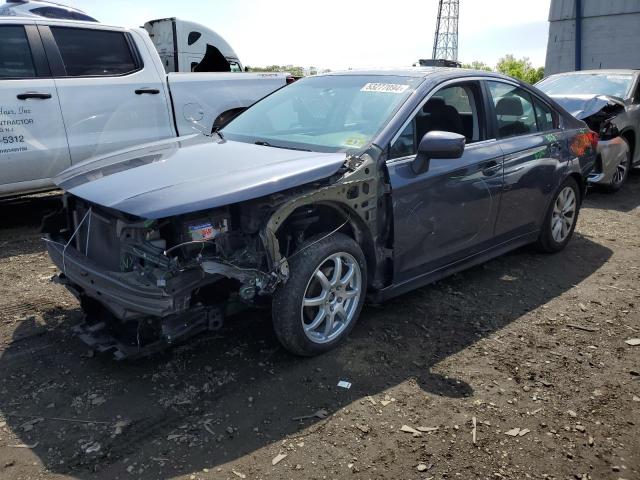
(150, 91)
(38, 95)
(491, 168)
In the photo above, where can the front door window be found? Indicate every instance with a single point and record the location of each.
(451, 109)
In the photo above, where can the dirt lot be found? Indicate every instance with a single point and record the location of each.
(528, 342)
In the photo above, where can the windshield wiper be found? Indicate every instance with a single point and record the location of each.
(267, 144)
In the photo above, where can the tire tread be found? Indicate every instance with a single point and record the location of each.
(287, 298)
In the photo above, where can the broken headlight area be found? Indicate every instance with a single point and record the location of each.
(597, 111)
(603, 123)
(600, 113)
(145, 284)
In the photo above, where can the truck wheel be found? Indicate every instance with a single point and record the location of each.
(621, 174)
(322, 299)
(561, 219)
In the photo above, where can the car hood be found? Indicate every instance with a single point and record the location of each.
(583, 106)
(192, 173)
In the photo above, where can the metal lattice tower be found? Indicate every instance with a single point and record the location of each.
(445, 42)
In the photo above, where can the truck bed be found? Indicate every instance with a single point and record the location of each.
(199, 98)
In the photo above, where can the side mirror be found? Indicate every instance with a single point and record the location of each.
(437, 144)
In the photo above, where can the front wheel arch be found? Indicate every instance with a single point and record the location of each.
(630, 136)
(331, 215)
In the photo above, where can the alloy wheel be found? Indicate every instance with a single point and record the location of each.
(621, 171)
(564, 214)
(331, 298)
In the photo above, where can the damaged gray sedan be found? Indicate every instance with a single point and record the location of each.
(609, 102)
(334, 189)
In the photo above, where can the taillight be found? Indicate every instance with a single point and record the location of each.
(290, 79)
(584, 142)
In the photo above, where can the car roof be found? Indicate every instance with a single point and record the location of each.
(608, 71)
(16, 4)
(58, 21)
(422, 72)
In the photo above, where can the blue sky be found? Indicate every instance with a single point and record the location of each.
(339, 34)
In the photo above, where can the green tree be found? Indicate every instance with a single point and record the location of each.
(519, 68)
(537, 76)
(293, 70)
(476, 65)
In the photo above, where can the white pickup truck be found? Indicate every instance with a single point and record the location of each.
(71, 90)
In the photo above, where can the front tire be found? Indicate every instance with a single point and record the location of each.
(320, 303)
(561, 219)
(621, 174)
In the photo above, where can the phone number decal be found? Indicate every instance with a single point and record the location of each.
(13, 139)
(16, 128)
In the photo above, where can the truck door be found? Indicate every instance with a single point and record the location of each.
(110, 98)
(33, 144)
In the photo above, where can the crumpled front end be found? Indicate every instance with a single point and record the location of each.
(147, 284)
(611, 154)
(600, 112)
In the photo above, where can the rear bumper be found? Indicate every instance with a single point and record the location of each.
(610, 154)
(126, 295)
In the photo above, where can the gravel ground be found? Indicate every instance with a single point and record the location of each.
(516, 369)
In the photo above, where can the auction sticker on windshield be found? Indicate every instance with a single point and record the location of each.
(384, 87)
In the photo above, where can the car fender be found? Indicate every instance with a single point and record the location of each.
(355, 195)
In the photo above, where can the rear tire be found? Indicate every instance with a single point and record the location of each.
(561, 219)
(320, 303)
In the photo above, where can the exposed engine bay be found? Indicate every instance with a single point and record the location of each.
(147, 284)
(599, 114)
(598, 111)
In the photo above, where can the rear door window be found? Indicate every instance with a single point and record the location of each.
(88, 52)
(513, 108)
(544, 116)
(15, 54)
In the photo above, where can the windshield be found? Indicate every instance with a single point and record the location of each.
(327, 113)
(614, 85)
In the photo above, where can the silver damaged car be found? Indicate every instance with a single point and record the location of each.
(609, 102)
